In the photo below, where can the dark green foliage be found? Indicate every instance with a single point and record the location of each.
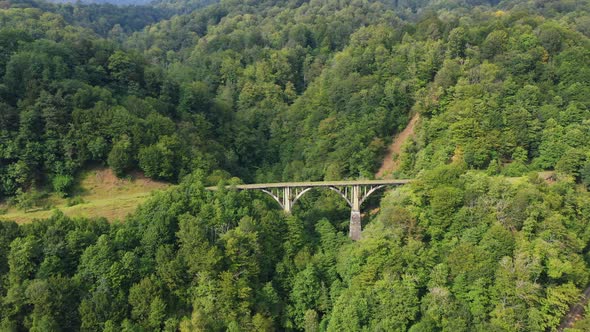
(62, 184)
(121, 156)
(269, 96)
(298, 90)
(193, 259)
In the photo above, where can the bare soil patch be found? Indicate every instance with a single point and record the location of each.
(389, 164)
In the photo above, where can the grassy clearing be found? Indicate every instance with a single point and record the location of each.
(102, 193)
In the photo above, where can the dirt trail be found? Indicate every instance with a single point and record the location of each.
(576, 312)
(389, 165)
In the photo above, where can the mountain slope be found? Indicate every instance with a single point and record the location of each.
(245, 91)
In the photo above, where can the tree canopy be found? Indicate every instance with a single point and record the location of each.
(201, 93)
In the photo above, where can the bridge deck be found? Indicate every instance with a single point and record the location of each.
(316, 184)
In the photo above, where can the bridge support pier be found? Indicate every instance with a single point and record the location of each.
(287, 202)
(354, 229)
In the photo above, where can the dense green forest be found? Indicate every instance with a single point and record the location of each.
(202, 93)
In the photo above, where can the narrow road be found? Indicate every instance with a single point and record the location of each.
(576, 312)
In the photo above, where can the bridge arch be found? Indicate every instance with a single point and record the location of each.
(354, 195)
(354, 192)
(347, 193)
(275, 196)
(300, 194)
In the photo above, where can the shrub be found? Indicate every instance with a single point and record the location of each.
(62, 184)
(75, 201)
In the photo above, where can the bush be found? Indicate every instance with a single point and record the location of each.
(571, 163)
(585, 173)
(160, 161)
(75, 201)
(120, 158)
(27, 200)
(516, 168)
(62, 184)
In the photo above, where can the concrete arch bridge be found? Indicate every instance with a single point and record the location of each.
(286, 194)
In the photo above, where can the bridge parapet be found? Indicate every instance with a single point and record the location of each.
(315, 184)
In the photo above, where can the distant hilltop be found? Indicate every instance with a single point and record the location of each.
(187, 5)
(112, 2)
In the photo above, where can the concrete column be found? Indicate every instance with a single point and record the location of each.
(355, 215)
(287, 199)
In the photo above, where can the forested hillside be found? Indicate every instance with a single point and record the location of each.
(183, 6)
(114, 2)
(276, 90)
(457, 251)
